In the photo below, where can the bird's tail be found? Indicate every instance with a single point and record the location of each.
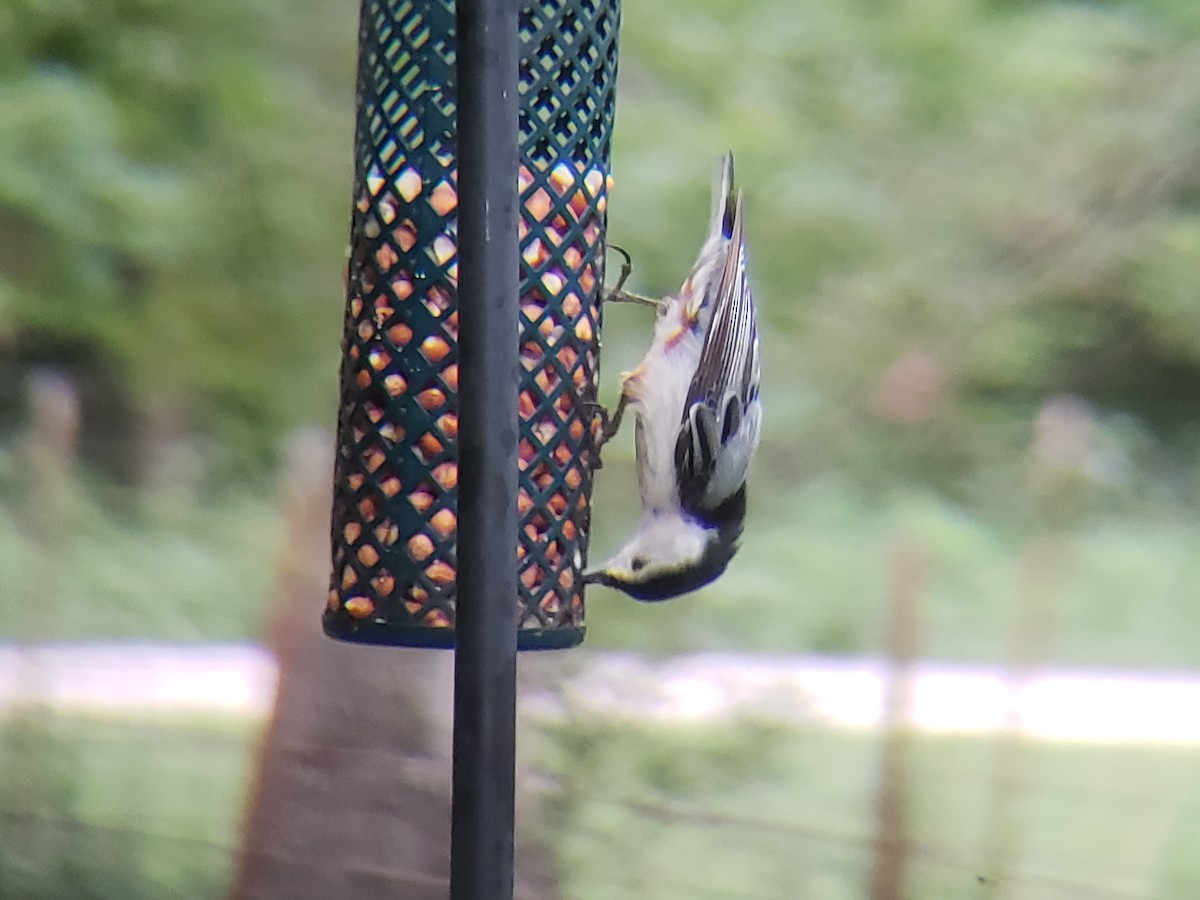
(701, 281)
(724, 200)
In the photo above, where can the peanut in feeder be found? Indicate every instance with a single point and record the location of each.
(395, 502)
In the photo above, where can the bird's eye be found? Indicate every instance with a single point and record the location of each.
(638, 563)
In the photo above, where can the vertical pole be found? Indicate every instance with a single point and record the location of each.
(485, 664)
(893, 844)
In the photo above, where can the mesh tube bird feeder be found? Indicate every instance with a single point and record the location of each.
(394, 526)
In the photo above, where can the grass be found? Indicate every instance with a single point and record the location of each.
(756, 811)
(160, 565)
(113, 809)
(811, 577)
(118, 809)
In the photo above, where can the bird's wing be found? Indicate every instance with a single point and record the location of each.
(725, 385)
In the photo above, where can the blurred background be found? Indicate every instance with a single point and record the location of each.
(958, 654)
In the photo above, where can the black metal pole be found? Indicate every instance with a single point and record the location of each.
(485, 659)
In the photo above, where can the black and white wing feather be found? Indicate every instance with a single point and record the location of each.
(722, 413)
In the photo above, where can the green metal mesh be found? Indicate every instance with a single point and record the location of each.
(395, 484)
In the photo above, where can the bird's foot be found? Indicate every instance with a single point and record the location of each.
(617, 294)
(610, 424)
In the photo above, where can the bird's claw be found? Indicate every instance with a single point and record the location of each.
(617, 294)
(598, 410)
(610, 424)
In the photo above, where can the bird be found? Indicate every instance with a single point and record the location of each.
(695, 398)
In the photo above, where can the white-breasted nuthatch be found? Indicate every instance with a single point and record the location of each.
(698, 418)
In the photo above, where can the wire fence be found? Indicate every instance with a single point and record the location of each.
(75, 838)
(128, 807)
(116, 807)
(959, 859)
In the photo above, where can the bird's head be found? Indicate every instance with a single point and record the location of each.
(669, 555)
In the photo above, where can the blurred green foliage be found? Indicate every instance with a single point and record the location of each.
(99, 810)
(970, 230)
(957, 209)
(161, 566)
(1006, 188)
(1009, 189)
(173, 209)
(958, 212)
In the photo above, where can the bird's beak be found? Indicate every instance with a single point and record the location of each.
(596, 574)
